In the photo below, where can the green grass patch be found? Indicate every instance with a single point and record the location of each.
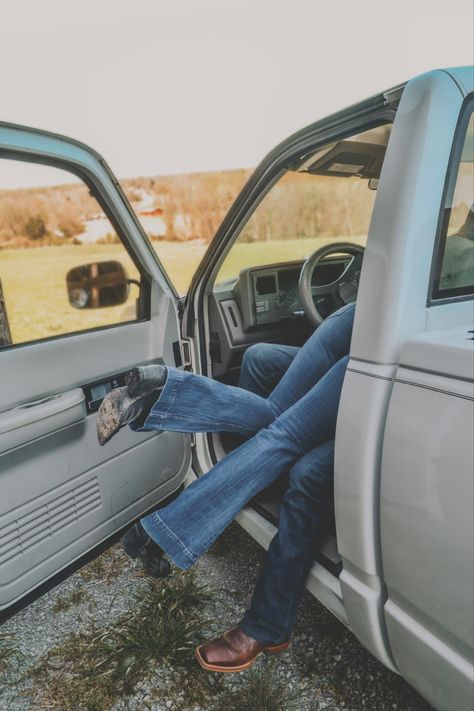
(94, 668)
(262, 690)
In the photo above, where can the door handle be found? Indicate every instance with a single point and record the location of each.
(30, 412)
(35, 403)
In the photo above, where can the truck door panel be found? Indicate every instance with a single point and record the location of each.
(61, 494)
(427, 527)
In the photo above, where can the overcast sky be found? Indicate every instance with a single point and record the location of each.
(165, 86)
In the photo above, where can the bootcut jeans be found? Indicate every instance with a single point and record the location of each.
(293, 430)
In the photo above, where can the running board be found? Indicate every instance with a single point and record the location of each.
(326, 554)
(322, 584)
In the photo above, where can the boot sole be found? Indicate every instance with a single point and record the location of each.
(109, 416)
(275, 649)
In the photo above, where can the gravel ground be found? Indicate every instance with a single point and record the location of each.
(325, 667)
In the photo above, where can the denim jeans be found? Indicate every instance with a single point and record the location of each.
(306, 510)
(297, 418)
(264, 365)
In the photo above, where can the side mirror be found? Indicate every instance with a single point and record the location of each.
(93, 286)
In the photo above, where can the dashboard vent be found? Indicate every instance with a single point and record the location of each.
(34, 527)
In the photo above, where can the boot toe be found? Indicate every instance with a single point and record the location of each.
(109, 416)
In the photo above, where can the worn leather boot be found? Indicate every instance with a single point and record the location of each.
(144, 379)
(137, 544)
(122, 406)
(234, 651)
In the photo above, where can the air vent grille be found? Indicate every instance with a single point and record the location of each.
(34, 527)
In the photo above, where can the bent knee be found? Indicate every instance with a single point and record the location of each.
(257, 352)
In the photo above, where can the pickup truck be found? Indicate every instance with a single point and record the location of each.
(398, 567)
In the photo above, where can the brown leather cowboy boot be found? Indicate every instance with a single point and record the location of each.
(234, 651)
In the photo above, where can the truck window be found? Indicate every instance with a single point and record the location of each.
(53, 235)
(454, 272)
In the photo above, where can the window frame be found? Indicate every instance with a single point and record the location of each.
(437, 297)
(144, 297)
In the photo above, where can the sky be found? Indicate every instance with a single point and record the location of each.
(170, 86)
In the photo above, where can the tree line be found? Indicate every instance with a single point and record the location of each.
(192, 206)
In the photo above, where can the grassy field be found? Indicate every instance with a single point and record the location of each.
(34, 280)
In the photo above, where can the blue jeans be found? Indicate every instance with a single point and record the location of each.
(306, 509)
(298, 416)
(264, 365)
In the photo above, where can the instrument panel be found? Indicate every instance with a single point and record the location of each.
(275, 293)
(263, 304)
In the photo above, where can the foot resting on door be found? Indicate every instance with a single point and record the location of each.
(122, 406)
(145, 379)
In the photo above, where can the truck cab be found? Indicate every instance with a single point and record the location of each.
(397, 568)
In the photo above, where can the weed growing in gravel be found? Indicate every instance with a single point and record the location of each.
(96, 667)
(263, 690)
(10, 660)
(65, 602)
(105, 566)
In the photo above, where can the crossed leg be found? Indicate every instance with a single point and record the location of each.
(306, 509)
(182, 529)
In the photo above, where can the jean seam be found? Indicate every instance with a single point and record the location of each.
(172, 395)
(192, 556)
(156, 417)
(275, 410)
(292, 434)
(159, 416)
(186, 418)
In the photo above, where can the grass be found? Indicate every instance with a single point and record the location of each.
(94, 668)
(75, 597)
(34, 280)
(105, 566)
(10, 660)
(262, 690)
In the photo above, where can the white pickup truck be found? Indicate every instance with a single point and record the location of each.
(399, 568)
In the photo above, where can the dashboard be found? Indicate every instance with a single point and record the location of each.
(263, 304)
(275, 293)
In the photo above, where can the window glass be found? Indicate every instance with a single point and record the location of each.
(60, 259)
(300, 214)
(325, 201)
(181, 214)
(455, 268)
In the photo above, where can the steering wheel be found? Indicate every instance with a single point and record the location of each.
(343, 290)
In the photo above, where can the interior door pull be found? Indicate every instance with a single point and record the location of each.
(58, 410)
(35, 403)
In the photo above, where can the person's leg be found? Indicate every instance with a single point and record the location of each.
(195, 403)
(305, 512)
(263, 366)
(328, 344)
(189, 525)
